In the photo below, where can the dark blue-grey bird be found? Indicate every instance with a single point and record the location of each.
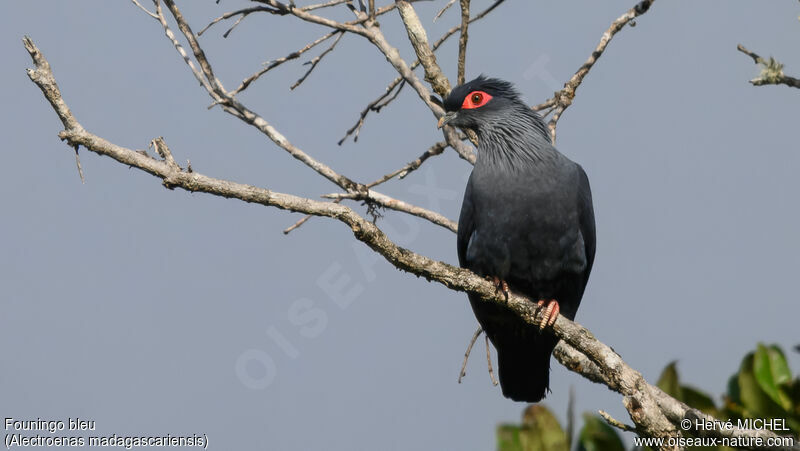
(526, 222)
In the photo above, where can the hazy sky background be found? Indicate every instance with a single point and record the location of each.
(153, 311)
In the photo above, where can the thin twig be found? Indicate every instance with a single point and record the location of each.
(615, 423)
(294, 55)
(316, 61)
(376, 106)
(396, 204)
(442, 11)
(244, 12)
(302, 14)
(323, 5)
(489, 361)
(466, 354)
(269, 65)
(435, 149)
(562, 99)
(462, 40)
(163, 151)
(78, 164)
(771, 71)
(136, 2)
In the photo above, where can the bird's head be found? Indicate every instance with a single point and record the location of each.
(479, 103)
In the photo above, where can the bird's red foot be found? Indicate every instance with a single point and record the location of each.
(550, 313)
(499, 285)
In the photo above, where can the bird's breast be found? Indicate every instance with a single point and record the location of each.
(525, 227)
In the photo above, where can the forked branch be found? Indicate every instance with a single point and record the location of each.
(563, 98)
(771, 71)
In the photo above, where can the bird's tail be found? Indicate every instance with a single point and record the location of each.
(524, 367)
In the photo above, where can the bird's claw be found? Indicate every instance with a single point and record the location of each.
(550, 313)
(499, 285)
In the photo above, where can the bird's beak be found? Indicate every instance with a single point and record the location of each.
(447, 118)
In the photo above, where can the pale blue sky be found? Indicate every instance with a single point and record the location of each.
(149, 310)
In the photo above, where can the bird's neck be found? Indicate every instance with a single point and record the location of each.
(517, 140)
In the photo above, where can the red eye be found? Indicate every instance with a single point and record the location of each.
(476, 99)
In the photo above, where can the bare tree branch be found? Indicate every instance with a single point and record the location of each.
(324, 5)
(303, 14)
(489, 360)
(419, 39)
(269, 65)
(771, 71)
(442, 11)
(136, 2)
(396, 204)
(466, 354)
(376, 106)
(244, 12)
(562, 99)
(433, 73)
(314, 61)
(435, 149)
(462, 40)
(615, 423)
(463, 152)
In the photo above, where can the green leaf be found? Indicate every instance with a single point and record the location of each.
(508, 438)
(699, 400)
(597, 435)
(733, 389)
(771, 372)
(668, 381)
(756, 403)
(539, 431)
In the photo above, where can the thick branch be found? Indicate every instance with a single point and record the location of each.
(419, 40)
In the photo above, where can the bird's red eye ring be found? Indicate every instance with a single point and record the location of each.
(476, 99)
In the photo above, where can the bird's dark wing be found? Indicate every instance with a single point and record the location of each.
(466, 225)
(586, 218)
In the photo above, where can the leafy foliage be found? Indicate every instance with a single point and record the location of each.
(763, 388)
(539, 431)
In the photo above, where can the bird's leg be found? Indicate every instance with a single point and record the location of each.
(550, 313)
(499, 285)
